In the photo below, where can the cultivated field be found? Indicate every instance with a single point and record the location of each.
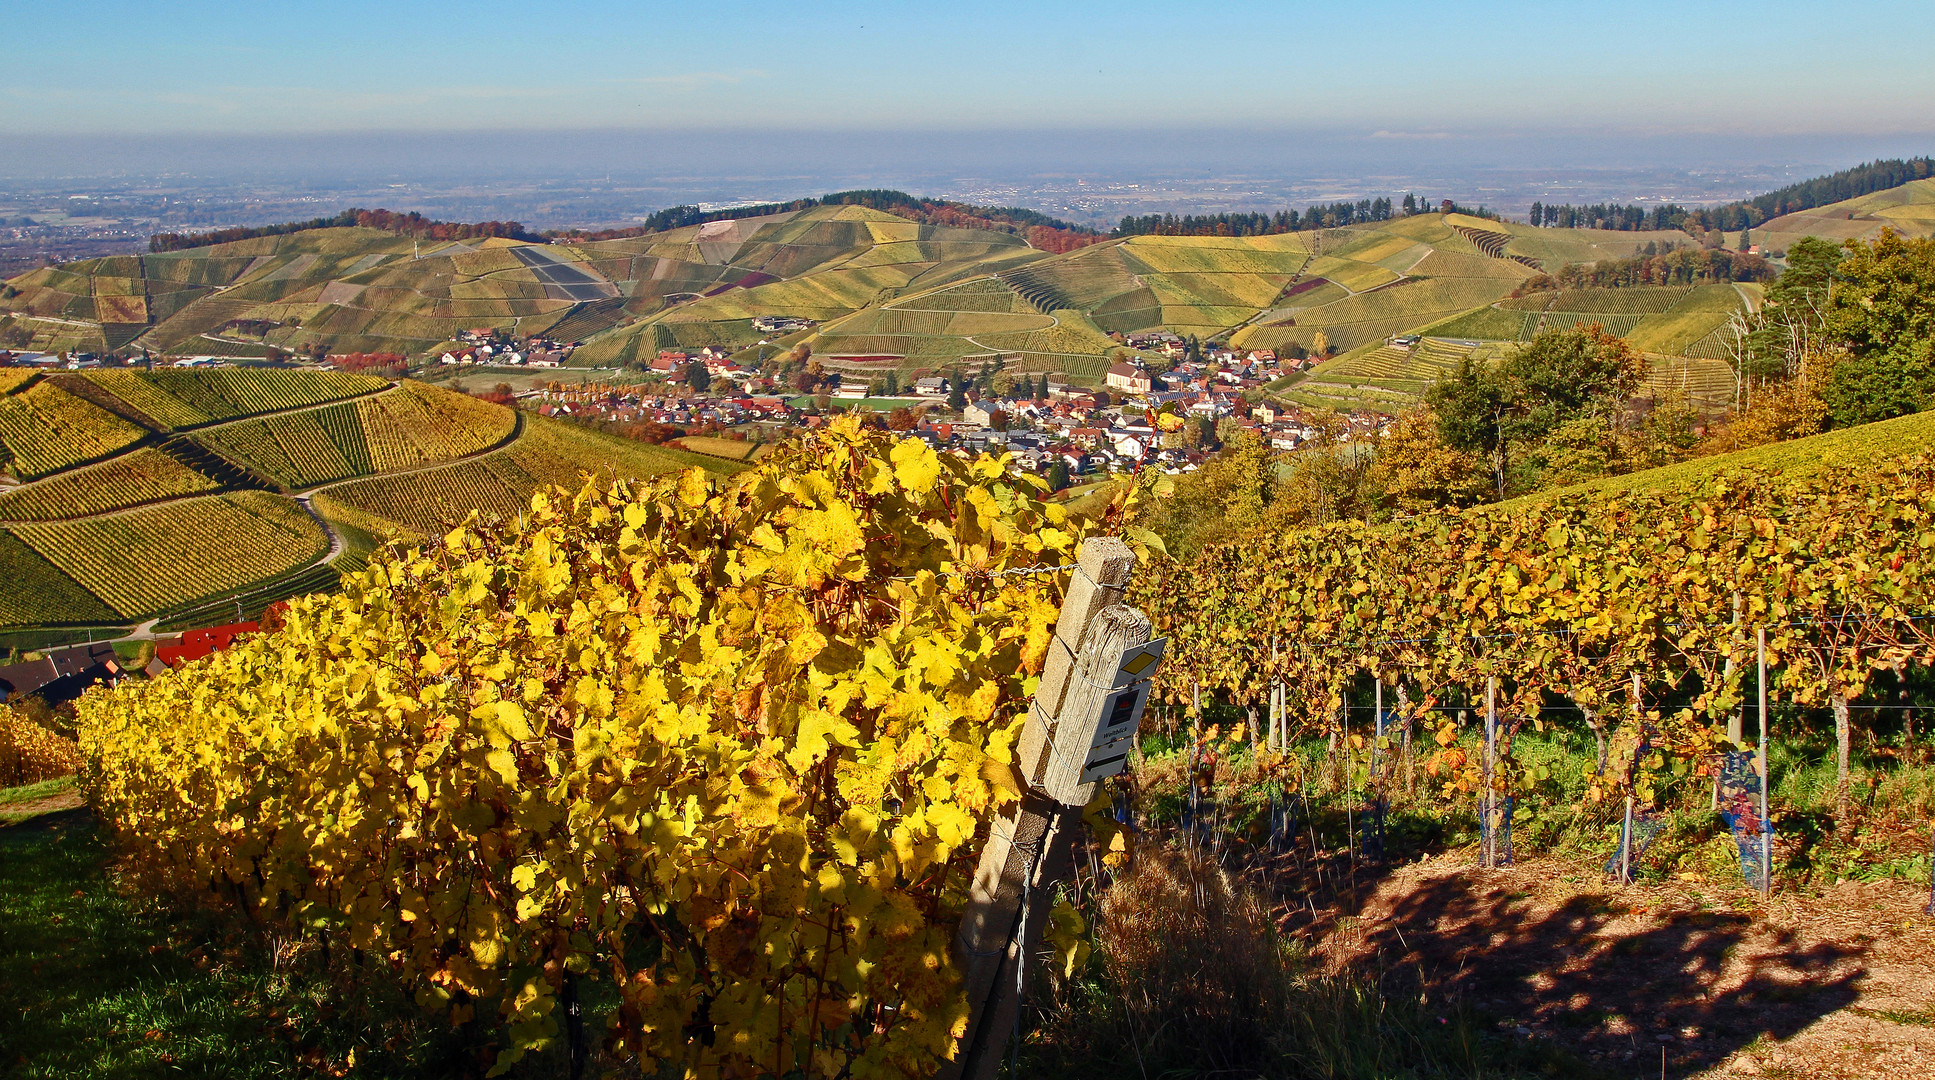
(872, 280)
(1908, 210)
(499, 484)
(184, 507)
(143, 562)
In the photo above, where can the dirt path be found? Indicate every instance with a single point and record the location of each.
(15, 813)
(1839, 985)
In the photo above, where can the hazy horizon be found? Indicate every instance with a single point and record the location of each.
(1770, 67)
(592, 111)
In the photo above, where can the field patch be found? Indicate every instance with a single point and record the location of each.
(146, 475)
(417, 424)
(45, 429)
(142, 562)
(121, 309)
(499, 484)
(38, 594)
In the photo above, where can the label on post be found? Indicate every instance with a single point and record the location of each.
(1121, 713)
(1138, 663)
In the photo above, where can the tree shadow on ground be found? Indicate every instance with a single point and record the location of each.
(1615, 984)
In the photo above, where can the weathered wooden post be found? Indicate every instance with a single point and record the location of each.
(1766, 777)
(1080, 730)
(1626, 829)
(1374, 845)
(1410, 761)
(1930, 909)
(1488, 848)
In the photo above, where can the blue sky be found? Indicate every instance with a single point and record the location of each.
(1407, 69)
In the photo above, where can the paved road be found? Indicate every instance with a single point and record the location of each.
(572, 282)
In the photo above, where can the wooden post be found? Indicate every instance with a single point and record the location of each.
(1488, 854)
(1766, 776)
(1028, 845)
(1410, 762)
(1375, 829)
(1930, 909)
(1195, 758)
(1626, 844)
(1736, 724)
(1626, 829)
(1377, 736)
(1276, 701)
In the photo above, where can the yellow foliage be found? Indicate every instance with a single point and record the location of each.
(726, 744)
(30, 753)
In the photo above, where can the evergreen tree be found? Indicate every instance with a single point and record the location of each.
(1058, 475)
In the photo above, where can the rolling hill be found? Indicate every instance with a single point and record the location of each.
(886, 291)
(1908, 209)
(355, 289)
(889, 293)
(171, 495)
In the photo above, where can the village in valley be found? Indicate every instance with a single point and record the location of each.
(1164, 403)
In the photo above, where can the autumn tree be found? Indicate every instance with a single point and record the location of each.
(1414, 470)
(1881, 312)
(1505, 411)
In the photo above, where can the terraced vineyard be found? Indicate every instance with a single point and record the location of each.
(45, 429)
(549, 452)
(877, 286)
(418, 424)
(38, 594)
(179, 522)
(409, 426)
(144, 561)
(146, 475)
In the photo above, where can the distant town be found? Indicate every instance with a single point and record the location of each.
(1166, 402)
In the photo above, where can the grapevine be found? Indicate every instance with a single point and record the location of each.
(1574, 598)
(727, 745)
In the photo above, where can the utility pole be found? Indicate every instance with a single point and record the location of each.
(1080, 731)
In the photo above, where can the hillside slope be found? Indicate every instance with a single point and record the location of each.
(156, 495)
(887, 292)
(1908, 209)
(353, 289)
(1861, 445)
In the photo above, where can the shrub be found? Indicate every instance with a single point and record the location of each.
(29, 753)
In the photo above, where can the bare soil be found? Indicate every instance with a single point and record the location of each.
(13, 813)
(1681, 979)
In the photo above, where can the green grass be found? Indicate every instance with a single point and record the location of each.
(14, 801)
(96, 982)
(1481, 324)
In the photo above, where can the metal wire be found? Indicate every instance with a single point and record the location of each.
(1024, 571)
(1561, 631)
